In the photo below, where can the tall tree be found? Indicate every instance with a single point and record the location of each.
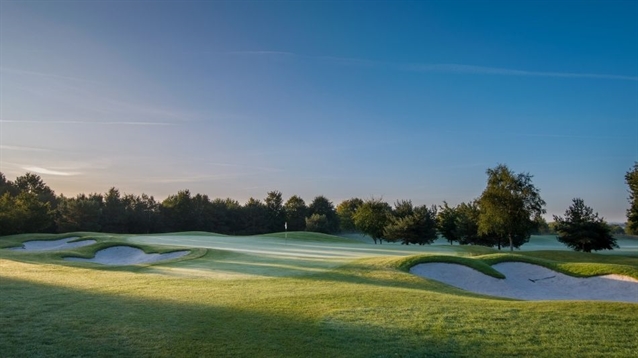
(178, 212)
(345, 211)
(114, 212)
(447, 220)
(255, 215)
(142, 214)
(82, 213)
(32, 183)
(276, 214)
(9, 215)
(322, 206)
(296, 212)
(6, 186)
(631, 178)
(402, 209)
(509, 206)
(416, 228)
(582, 230)
(468, 224)
(318, 223)
(372, 217)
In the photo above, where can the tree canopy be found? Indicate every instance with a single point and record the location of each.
(509, 206)
(582, 230)
(372, 217)
(631, 178)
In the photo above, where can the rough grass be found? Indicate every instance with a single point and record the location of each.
(362, 307)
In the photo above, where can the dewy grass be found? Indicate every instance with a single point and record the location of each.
(360, 307)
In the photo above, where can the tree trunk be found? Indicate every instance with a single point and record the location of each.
(511, 243)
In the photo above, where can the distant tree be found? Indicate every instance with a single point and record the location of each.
(345, 212)
(322, 206)
(582, 230)
(318, 223)
(32, 183)
(82, 213)
(416, 228)
(142, 214)
(616, 229)
(113, 212)
(296, 212)
(6, 186)
(509, 205)
(227, 216)
(276, 213)
(448, 223)
(33, 215)
(541, 226)
(631, 178)
(402, 209)
(372, 217)
(255, 215)
(468, 225)
(178, 212)
(9, 216)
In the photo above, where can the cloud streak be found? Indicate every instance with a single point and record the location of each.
(452, 68)
(483, 70)
(23, 149)
(39, 170)
(89, 122)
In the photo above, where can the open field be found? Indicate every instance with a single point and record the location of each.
(307, 295)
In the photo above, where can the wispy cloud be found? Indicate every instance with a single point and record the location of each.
(483, 70)
(23, 149)
(443, 67)
(39, 170)
(90, 122)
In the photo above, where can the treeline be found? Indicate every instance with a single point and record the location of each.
(28, 205)
(506, 214)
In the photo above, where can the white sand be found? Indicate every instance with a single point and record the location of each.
(126, 255)
(50, 245)
(531, 282)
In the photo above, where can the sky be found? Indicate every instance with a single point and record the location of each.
(386, 99)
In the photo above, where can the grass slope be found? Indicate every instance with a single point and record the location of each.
(363, 306)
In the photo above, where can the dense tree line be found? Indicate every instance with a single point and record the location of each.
(505, 215)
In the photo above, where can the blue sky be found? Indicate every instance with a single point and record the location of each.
(400, 100)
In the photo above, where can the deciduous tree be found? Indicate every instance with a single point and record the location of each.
(322, 206)
(509, 205)
(631, 178)
(345, 212)
(296, 212)
(372, 217)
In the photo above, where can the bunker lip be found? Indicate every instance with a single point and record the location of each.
(52, 245)
(532, 282)
(127, 255)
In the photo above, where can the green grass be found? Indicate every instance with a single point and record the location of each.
(358, 305)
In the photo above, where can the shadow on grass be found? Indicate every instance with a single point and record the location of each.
(52, 321)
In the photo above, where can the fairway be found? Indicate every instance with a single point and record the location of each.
(305, 295)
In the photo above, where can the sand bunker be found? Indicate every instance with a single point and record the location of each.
(50, 245)
(532, 282)
(126, 255)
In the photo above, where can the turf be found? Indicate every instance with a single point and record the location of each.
(298, 298)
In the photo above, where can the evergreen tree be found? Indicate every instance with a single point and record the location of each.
(583, 230)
